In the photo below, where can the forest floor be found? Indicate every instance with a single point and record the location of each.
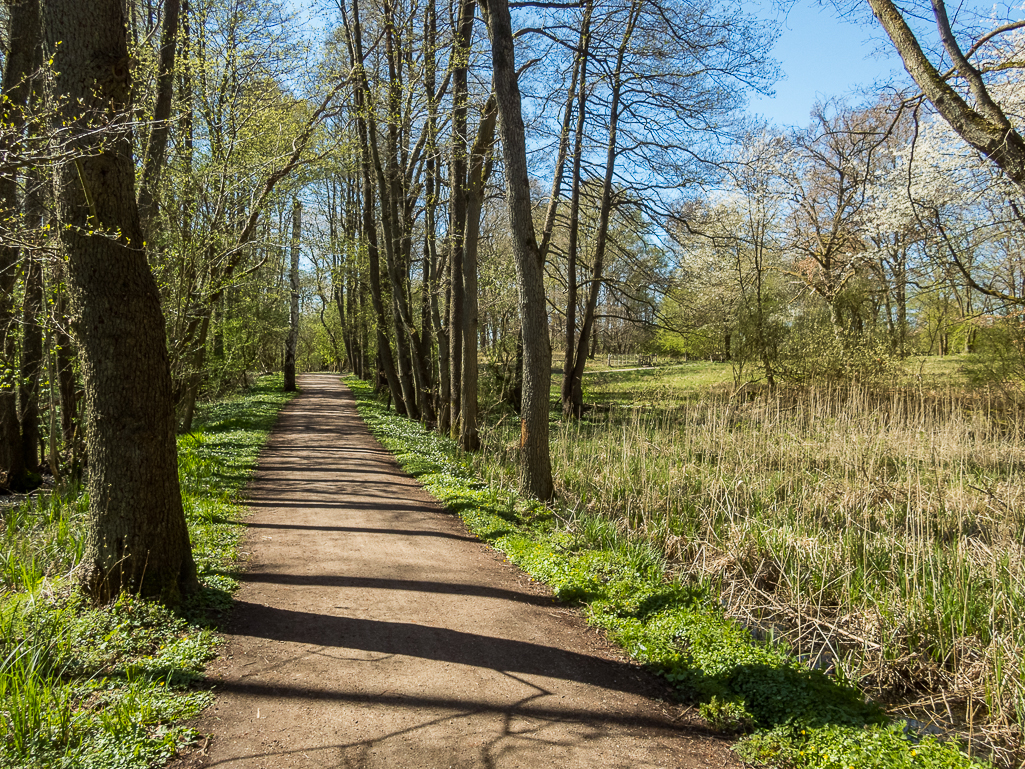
(372, 630)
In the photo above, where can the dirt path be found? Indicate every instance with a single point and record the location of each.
(373, 631)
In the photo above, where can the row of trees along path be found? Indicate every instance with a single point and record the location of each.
(373, 631)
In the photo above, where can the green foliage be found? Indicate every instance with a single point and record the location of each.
(726, 715)
(249, 336)
(107, 687)
(836, 746)
(43, 537)
(999, 356)
(816, 351)
(802, 716)
(320, 341)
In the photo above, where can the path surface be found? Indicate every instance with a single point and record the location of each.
(373, 631)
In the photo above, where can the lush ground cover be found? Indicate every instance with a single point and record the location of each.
(796, 714)
(83, 687)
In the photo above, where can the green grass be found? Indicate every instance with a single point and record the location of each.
(798, 716)
(651, 385)
(627, 385)
(85, 687)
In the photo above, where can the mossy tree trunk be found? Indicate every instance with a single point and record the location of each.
(138, 539)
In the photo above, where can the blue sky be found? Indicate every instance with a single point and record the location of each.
(821, 56)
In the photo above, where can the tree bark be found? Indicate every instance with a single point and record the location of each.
(292, 342)
(554, 197)
(986, 128)
(576, 405)
(433, 267)
(535, 456)
(384, 351)
(32, 333)
(569, 360)
(23, 34)
(439, 313)
(65, 366)
(138, 539)
(413, 373)
(479, 171)
(457, 205)
(157, 145)
(367, 135)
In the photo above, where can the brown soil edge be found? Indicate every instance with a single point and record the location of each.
(373, 630)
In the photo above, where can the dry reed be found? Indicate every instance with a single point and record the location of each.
(880, 534)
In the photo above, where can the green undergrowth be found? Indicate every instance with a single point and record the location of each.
(85, 687)
(792, 716)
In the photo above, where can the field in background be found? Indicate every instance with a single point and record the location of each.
(878, 531)
(627, 382)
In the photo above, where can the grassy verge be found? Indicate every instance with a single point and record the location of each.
(796, 716)
(107, 688)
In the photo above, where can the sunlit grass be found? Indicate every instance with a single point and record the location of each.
(625, 383)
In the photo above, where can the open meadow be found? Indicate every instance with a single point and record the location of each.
(878, 531)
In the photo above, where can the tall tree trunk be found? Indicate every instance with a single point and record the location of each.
(369, 164)
(292, 342)
(65, 364)
(384, 352)
(412, 373)
(555, 196)
(351, 307)
(396, 222)
(138, 539)
(32, 332)
(535, 456)
(569, 360)
(480, 170)
(363, 298)
(23, 37)
(440, 314)
(457, 204)
(604, 213)
(32, 322)
(455, 328)
(385, 360)
(432, 188)
(512, 388)
(161, 129)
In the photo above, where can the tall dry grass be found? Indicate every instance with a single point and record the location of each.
(878, 533)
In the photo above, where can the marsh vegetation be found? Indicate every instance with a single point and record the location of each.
(877, 531)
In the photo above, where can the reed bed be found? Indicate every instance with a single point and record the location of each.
(878, 533)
